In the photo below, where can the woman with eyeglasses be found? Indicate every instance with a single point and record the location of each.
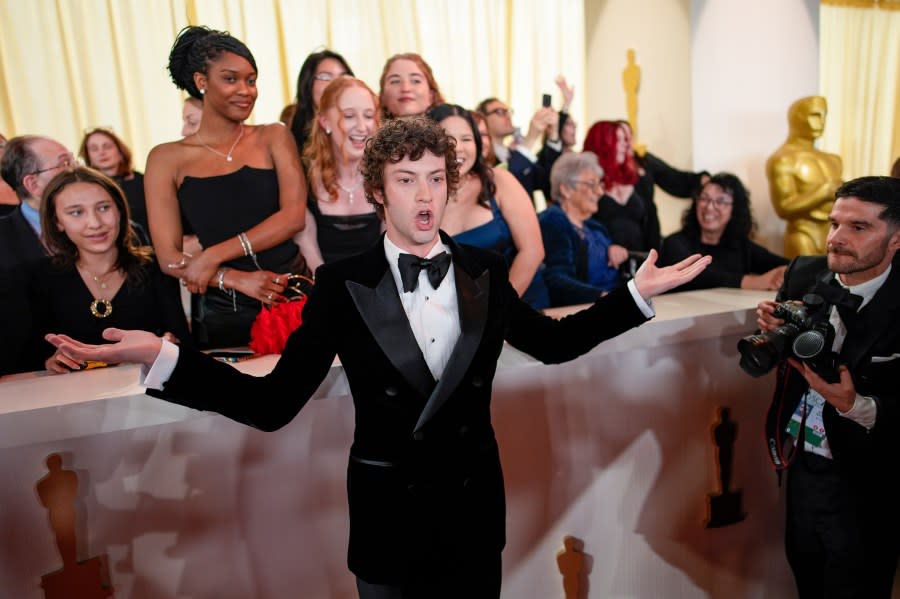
(96, 274)
(581, 261)
(318, 70)
(105, 151)
(720, 223)
(490, 208)
(340, 221)
(240, 188)
(408, 86)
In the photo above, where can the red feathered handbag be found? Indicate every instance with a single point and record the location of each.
(274, 324)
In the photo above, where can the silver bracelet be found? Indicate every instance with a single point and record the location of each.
(221, 279)
(245, 244)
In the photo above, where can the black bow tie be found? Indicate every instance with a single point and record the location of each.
(837, 295)
(410, 266)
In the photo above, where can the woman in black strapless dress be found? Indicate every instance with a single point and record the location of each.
(239, 187)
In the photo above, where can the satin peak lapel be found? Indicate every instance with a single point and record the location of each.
(472, 298)
(383, 314)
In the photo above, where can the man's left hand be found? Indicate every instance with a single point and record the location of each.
(842, 394)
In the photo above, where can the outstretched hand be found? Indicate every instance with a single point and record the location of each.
(141, 347)
(651, 280)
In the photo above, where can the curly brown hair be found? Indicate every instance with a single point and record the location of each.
(406, 137)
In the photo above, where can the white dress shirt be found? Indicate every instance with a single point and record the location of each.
(433, 313)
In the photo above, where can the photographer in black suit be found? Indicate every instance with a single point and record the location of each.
(843, 514)
(418, 323)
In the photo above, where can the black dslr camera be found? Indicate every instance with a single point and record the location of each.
(806, 334)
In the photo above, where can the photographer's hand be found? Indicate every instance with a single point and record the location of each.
(842, 394)
(765, 318)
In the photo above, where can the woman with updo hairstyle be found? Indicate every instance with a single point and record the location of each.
(318, 70)
(408, 86)
(719, 223)
(239, 187)
(96, 275)
(103, 150)
(340, 222)
(490, 209)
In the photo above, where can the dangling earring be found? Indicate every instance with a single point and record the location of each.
(202, 92)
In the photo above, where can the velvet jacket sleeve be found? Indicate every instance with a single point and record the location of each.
(562, 248)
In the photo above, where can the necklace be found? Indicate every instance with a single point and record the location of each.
(230, 150)
(100, 308)
(349, 190)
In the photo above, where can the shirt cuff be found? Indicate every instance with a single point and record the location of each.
(526, 152)
(159, 372)
(863, 411)
(645, 307)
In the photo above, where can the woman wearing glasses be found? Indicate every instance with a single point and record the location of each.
(720, 223)
(240, 188)
(582, 263)
(490, 209)
(96, 276)
(340, 221)
(318, 70)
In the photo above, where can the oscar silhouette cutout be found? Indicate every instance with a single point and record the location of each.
(725, 507)
(574, 565)
(89, 579)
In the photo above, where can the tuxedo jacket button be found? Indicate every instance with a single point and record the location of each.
(391, 391)
(477, 381)
(467, 482)
(463, 430)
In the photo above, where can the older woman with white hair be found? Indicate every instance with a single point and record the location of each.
(581, 261)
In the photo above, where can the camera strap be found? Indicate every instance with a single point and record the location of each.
(779, 413)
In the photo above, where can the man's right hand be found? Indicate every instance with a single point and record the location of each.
(140, 347)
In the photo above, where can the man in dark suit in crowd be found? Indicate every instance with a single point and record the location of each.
(28, 164)
(843, 507)
(531, 170)
(418, 323)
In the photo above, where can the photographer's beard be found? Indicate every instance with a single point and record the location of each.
(845, 261)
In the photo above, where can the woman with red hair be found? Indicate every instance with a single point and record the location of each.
(623, 211)
(340, 221)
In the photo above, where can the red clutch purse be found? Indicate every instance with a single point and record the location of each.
(274, 324)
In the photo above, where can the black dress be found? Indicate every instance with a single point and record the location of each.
(218, 208)
(133, 186)
(732, 260)
(60, 302)
(626, 223)
(340, 236)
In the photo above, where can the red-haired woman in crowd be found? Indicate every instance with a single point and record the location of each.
(340, 221)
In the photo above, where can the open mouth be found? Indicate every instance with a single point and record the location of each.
(424, 220)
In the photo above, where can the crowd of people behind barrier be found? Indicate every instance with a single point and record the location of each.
(230, 210)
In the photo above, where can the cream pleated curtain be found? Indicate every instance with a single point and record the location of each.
(859, 55)
(69, 65)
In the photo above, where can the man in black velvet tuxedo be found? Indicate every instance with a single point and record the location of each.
(843, 506)
(418, 323)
